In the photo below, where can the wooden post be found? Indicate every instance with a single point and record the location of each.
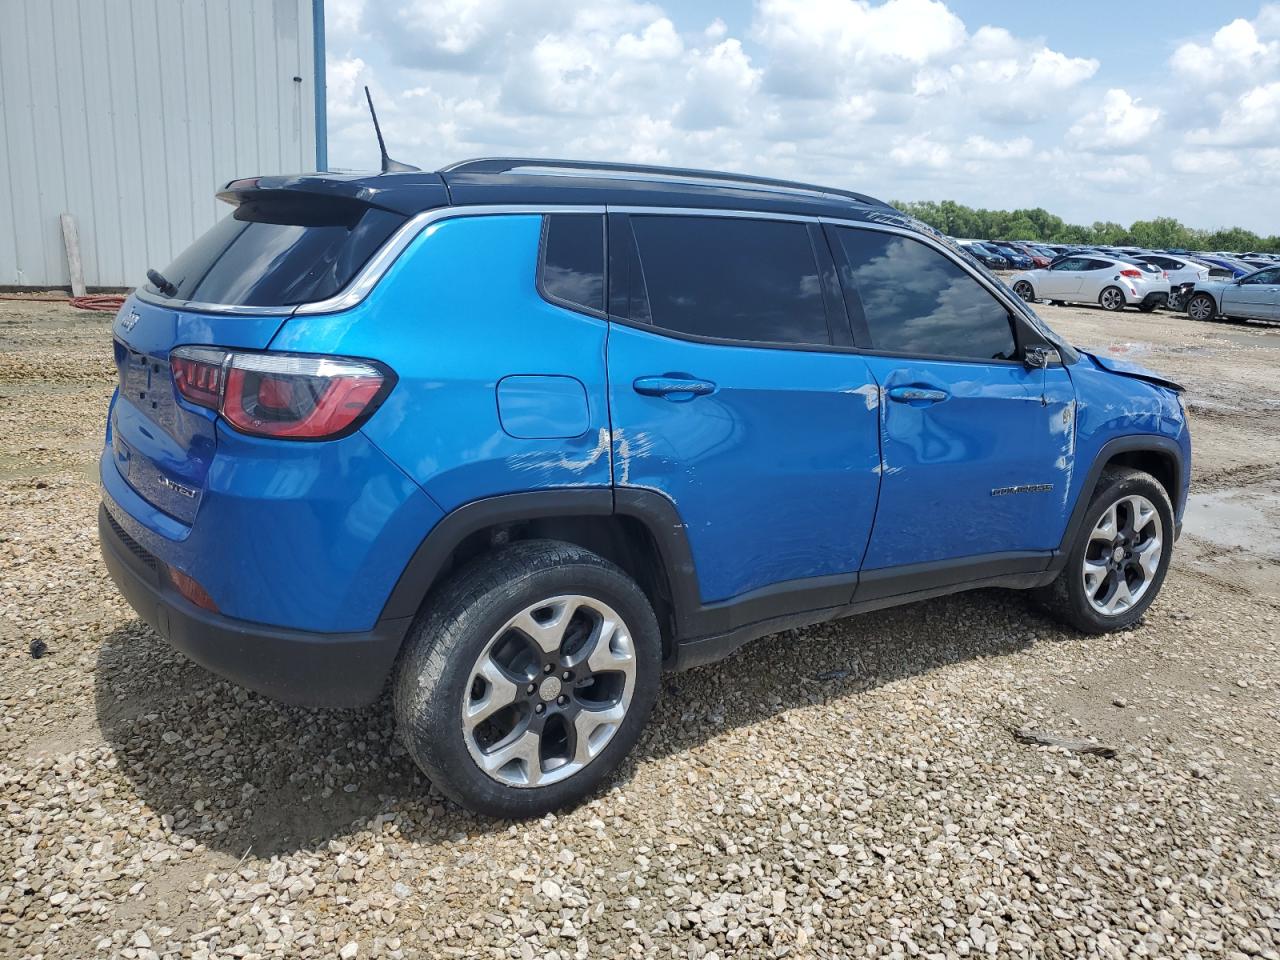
(71, 238)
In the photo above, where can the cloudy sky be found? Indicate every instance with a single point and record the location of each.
(1112, 111)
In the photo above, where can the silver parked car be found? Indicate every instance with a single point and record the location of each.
(1252, 297)
(1112, 282)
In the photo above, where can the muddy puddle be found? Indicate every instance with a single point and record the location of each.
(1246, 518)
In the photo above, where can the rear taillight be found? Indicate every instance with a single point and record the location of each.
(198, 374)
(1129, 272)
(290, 396)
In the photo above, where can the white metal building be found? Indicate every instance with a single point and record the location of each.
(129, 114)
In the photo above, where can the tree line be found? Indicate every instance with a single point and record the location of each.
(1162, 233)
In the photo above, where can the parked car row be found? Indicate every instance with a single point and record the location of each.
(1205, 284)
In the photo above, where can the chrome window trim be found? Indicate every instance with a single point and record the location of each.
(878, 225)
(378, 265)
(724, 213)
(381, 261)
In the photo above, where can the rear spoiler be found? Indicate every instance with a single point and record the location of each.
(403, 193)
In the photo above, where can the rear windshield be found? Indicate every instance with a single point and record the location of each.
(273, 253)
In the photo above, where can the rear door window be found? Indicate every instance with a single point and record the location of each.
(725, 278)
(914, 301)
(280, 252)
(572, 267)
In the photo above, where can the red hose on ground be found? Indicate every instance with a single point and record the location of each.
(104, 302)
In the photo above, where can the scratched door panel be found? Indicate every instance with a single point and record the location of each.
(986, 470)
(775, 473)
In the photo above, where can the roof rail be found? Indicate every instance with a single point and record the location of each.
(510, 164)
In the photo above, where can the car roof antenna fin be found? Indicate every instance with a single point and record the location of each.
(388, 165)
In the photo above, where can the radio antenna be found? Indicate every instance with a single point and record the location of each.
(388, 165)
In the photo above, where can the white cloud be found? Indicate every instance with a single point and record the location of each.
(658, 41)
(920, 152)
(899, 98)
(1240, 49)
(1232, 83)
(1120, 122)
(1253, 120)
(1206, 162)
(720, 84)
(1121, 170)
(980, 148)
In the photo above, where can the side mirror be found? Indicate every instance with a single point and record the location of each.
(1039, 356)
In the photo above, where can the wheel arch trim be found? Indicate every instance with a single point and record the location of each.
(1137, 443)
(655, 511)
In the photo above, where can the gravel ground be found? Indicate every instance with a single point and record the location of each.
(865, 798)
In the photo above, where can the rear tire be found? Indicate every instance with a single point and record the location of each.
(1025, 291)
(1111, 299)
(527, 678)
(1201, 308)
(1117, 564)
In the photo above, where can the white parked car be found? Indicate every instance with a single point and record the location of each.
(1111, 282)
(1179, 269)
(1252, 297)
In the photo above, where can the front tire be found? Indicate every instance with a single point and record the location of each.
(1117, 565)
(1111, 299)
(528, 678)
(1201, 307)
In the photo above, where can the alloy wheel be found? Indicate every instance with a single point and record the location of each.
(1200, 308)
(1023, 290)
(1123, 555)
(549, 691)
(1112, 299)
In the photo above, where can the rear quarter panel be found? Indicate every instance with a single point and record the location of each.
(456, 314)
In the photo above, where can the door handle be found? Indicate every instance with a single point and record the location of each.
(673, 387)
(917, 395)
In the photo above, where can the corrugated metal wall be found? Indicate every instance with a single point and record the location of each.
(129, 114)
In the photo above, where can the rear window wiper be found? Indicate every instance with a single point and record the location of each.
(160, 283)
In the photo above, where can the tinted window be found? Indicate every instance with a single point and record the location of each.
(280, 252)
(1265, 276)
(573, 259)
(627, 296)
(753, 280)
(916, 301)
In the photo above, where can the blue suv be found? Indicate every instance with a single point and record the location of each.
(514, 437)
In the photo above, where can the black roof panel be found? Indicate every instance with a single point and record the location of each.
(516, 181)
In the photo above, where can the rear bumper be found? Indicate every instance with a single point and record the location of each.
(300, 667)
